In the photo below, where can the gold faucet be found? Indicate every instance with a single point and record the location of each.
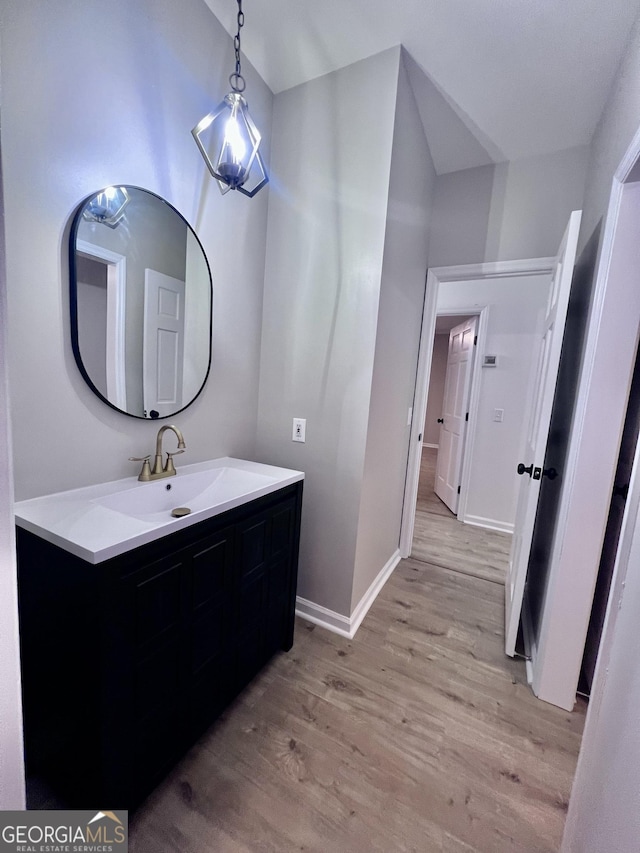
(147, 473)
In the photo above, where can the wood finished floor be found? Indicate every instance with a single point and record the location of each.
(417, 735)
(441, 539)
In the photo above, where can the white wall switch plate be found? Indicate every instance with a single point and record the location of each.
(299, 429)
(498, 415)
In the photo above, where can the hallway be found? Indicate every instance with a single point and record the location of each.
(439, 538)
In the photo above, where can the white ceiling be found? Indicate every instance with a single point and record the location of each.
(494, 79)
(445, 322)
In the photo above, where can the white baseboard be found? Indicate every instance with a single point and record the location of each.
(489, 523)
(347, 626)
(320, 615)
(426, 444)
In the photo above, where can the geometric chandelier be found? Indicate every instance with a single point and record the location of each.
(229, 140)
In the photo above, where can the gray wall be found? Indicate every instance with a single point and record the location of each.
(327, 219)
(506, 212)
(535, 197)
(435, 396)
(616, 128)
(83, 117)
(603, 810)
(397, 340)
(462, 210)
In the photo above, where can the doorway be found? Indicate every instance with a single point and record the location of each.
(508, 298)
(440, 536)
(441, 539)
(101, 307)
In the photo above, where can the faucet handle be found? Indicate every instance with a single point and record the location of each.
(145, 473)
(169, 467)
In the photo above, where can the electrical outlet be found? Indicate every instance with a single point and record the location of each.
(299, 429)
(498, 415)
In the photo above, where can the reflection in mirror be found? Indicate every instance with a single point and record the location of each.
(140, 303)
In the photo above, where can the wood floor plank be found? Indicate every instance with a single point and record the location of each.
(417, 735)
(439, 538)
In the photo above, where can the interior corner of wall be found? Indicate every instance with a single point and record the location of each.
(496, 212)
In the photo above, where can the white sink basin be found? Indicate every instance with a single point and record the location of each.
(197, 490)
(100, 522)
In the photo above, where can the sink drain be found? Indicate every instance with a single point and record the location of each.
(179, 511)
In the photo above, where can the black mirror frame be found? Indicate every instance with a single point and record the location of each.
(73, 301)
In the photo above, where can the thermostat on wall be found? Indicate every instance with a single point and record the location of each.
(490, 361)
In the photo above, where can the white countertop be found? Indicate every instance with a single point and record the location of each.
(99, 522)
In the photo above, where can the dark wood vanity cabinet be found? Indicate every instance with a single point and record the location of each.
(127, 662)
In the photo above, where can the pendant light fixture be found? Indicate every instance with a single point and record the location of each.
(107, 207)
(229, 140)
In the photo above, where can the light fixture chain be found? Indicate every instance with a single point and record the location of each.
(236, 79)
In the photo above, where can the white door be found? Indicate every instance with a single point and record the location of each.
(163, 344)
(613, 530)
(531, 468)
(454, 412)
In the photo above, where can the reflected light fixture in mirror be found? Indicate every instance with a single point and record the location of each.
(107, 206)
(141, 303)
(229, 140)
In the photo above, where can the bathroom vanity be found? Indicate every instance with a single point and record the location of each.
(132, 648)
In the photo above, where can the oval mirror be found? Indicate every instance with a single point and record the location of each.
(140, 303)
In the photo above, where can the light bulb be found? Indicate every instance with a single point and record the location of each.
(231, 165)
(233, 139)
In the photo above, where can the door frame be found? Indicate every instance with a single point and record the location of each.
(435, 277)
(592, 454)
(605, 727)
(116, 265)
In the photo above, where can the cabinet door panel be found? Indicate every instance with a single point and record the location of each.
(158, 602)
(282, 529)
(252, 604)
(252, 654)
(251, 627)
(157, 680)
(208, 638)
(212, 584)
(211, 570)
(158, 745)
(279, 602)
(209, 694)
(252, 545)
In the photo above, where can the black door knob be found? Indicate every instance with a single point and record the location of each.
(440, 420)
(551, 473)
(621, 491)
(522, 470)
